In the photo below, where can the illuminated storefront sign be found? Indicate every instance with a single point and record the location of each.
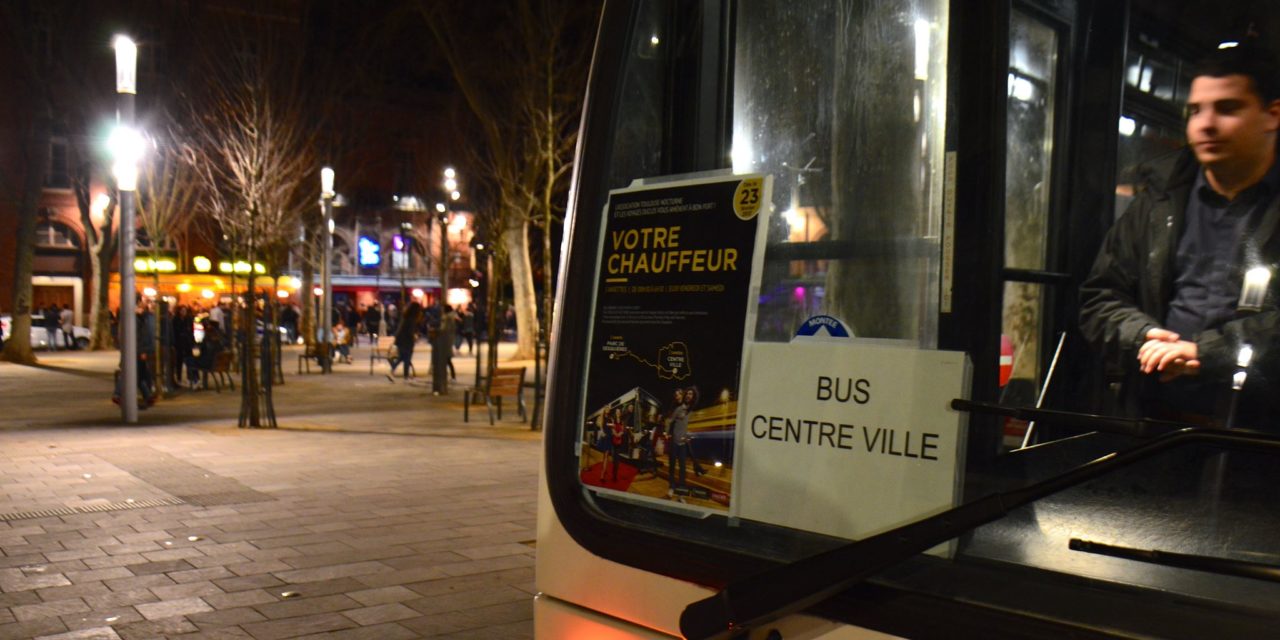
(370, 251)
(161, 265)
(240, 267)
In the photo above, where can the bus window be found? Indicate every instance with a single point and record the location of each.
(850, 123)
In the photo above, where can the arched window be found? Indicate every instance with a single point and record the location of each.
(56, 235)
(342, 261)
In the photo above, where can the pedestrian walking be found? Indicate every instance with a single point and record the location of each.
(52, 322)
(406, 337)
(66, 320)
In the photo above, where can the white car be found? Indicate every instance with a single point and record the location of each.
(40, 336)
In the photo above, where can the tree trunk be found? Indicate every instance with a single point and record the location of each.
(160, 366)
(249, 409)
(100, 244)
(494, 311)
(99, 307)
(305, 296)
(18, 347)
(516, 242)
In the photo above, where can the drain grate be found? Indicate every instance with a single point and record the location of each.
(93, 508)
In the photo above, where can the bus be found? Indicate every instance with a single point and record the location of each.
(823, 262)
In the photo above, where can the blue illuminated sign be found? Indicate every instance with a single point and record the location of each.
(370, 252)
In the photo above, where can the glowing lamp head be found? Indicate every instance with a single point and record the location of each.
(449, 173)
(450, 185)
(127, 147)
(282, 294)
(326, 182)
(317, 291)
(126, 64)
(440, 208)
(207, 294)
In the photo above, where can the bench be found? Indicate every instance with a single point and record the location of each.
(321, 352)
(382, 350)
(219, 371)
(502, 381)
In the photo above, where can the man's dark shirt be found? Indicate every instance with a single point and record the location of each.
(1207, 282)
(1207, 285)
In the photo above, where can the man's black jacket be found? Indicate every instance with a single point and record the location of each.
(1131, 284)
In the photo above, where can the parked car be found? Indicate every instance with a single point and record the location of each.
(40, 336)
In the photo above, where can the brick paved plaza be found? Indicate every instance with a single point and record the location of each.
(373, 512)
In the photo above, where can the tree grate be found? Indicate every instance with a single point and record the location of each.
(92, 508)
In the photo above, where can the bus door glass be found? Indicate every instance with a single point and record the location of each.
(1029, 181)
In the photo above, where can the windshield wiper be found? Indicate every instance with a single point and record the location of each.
(1210, 564)
(1138, 427)
(799, 585)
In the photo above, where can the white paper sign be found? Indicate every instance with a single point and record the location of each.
(849, 439)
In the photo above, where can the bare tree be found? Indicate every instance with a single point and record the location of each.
(254, 150)
(525, 97)
(170, 188)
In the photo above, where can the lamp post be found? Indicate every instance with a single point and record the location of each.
(326, 206)
(126, 146)
(406, 250)
(478, 248)
(443, 347)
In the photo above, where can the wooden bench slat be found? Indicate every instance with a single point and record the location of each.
(502, 381)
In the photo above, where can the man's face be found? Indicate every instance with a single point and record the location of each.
(1227, 124)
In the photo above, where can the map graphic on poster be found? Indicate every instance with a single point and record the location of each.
(672, 308)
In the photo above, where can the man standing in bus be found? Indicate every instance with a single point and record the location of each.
(1161, 302)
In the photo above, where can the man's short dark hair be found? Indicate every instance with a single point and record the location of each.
(1250, 59)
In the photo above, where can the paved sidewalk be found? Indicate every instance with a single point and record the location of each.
(185, 526)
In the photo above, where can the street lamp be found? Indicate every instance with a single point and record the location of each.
(127, 149)
(406, 250)
(442, 348)
(326, 207)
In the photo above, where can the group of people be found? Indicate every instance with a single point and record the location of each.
(178, 346)
(453, 325)
(615, 437)
(59, 318)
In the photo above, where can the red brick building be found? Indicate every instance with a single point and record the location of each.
(396, 122)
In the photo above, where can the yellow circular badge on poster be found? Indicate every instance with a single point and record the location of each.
(748, 198)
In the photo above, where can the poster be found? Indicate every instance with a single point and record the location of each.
(673, 305)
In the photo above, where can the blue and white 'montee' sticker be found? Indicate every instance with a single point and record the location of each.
(822, 326)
